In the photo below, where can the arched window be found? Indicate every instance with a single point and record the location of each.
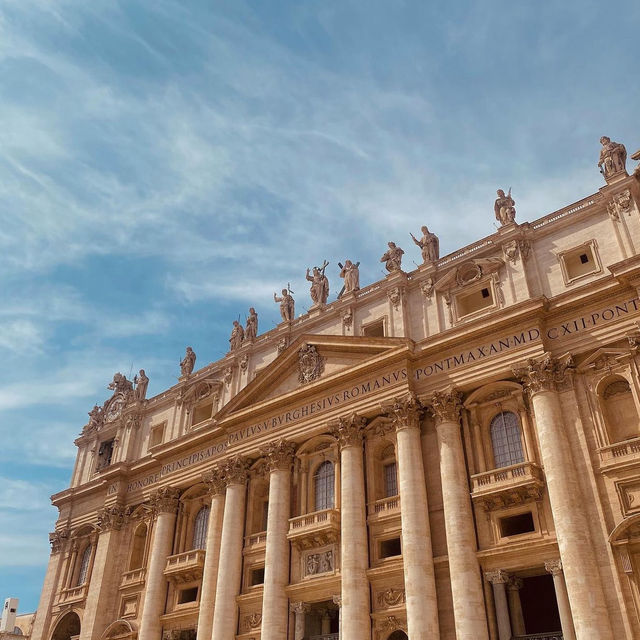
(324, 481)
(137, 548)
(84, 566)
(505, 438)
(200, 526)
(620, 411)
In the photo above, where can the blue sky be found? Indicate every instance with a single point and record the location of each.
(165, 165)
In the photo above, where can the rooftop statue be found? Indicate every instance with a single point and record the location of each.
(120, 384)
(319, 285)
(287, 304)
(613, 158)
(237, 336)
(188, 362)
(351, 274)
(393, 257)
(251, 329)
(429, 245)
(504, 208)
(142, 382)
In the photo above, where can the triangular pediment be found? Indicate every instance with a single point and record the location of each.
(604, 358)
(310, 361)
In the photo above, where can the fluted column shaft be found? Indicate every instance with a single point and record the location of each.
(464, 569)
(214, 481)
(586, 595)
(165, 504)
(356, 620)
(225, 614)
(417, 554)
(275, 609)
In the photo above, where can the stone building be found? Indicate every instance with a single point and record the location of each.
(451, 452)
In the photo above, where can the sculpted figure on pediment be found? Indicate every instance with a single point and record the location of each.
(120, 384)
(188, 362)
(237, 336)
(319, 284)
(96, 419)
(613, 157)
(429, 245)
(504, 208)
(392, 258)
(251, 329)
(287, 304)
(351, 274)
(142, 382)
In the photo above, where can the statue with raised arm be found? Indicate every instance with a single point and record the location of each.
(504, 208)
(613, 157)
(142, 382)
(392, 257)
(319, 285)
(287, 304)
(429, 245)
(351, 274)
(251, 329)
(237, 336)
(188, 362)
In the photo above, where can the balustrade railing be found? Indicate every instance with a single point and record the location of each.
(620, 450)
(256, 540)
(72, 594)
(385, 506)
(134, 576)
(505, 476)
(318, 518)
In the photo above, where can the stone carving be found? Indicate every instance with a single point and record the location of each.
(392, 257)
(446, 405)
(235, 470)
(319, 285)
(179, 634)
(299, 607)
(237, 336)
(392, 623)
(283, 343)
(426, 286)
(122, 394)
(504, 208)
(510, 251)
(525, 248)
(403, 412)
(351, 274)
(253, 620)
(636, 156)
(545, 374)
(391, 597)
(164, 500)
(319, 563)
(105, 454)
(310, 364)
(214, 479)
(251, 328)
(120, 384)
(348, 431)
(96, 419)
(554, 567)
(395, 297)
(287, 304)
(613, 158)
(620, 203)
(112, 517)
(278, 454)
(347, 318)
(58, 539)
(515, 583)
(497, 577)
(142, 382)
(227, 375)
(429, 245)
(188, 362)
(244, 362)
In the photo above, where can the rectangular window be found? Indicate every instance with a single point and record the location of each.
(156, 436)
(579, 262)
(374, 329)
(390, 548)
(517, 525)
(265, 514)
(188, 595)
(257, 576)
(390, 480)
(467, 303)
(202, 413)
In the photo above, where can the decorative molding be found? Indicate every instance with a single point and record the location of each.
(395, 295)
(404, 412)
(214, 479)
(499, 576)
(427, 287)
(299, 607)
(235, 470)
(228, 375)
(244, 362)
(545, 374)
(554, 567)
(391, 598)
(164, 500)
(310, 364)
(113, 517)
(347, 318)
(58, 540)
(278, 455)
(446, 405)
(348, 431)
(318, 563)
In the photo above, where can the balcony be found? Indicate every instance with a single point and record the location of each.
(185, 567)
(315, 529)
(255, 542)
(387, 507)
(507, 486)
(73, 594)
(133, 578)
(620, 454)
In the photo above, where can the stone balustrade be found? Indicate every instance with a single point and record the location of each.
(255, 541)
(619, 454)
(384, 508)
(313, 524)
(185, 567)
(73, 594)
(132, 578)
(507, 485)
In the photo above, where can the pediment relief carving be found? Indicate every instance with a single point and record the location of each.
(200, 390)
(603, 360)
(468, 272)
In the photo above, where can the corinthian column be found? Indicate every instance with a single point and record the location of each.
(417, 555)
(356, 620)
(498, 580)
(542, 378)
(165, 503)
(554, 567)
(225, 614)
(216, 486)
(464, 570)
(275, 610)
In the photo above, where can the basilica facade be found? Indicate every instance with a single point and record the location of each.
(451, 452)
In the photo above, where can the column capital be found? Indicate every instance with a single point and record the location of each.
(235, 470)
(278, 455)
(499, 576)
(545, 373)
(404, 412)
(164, 499)
(554, 567)
(349, 430)
(337, 600)
(58, 540)
(514, 584)
(112, 517)
(299, 607)
(446, 405)
(214, 479)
